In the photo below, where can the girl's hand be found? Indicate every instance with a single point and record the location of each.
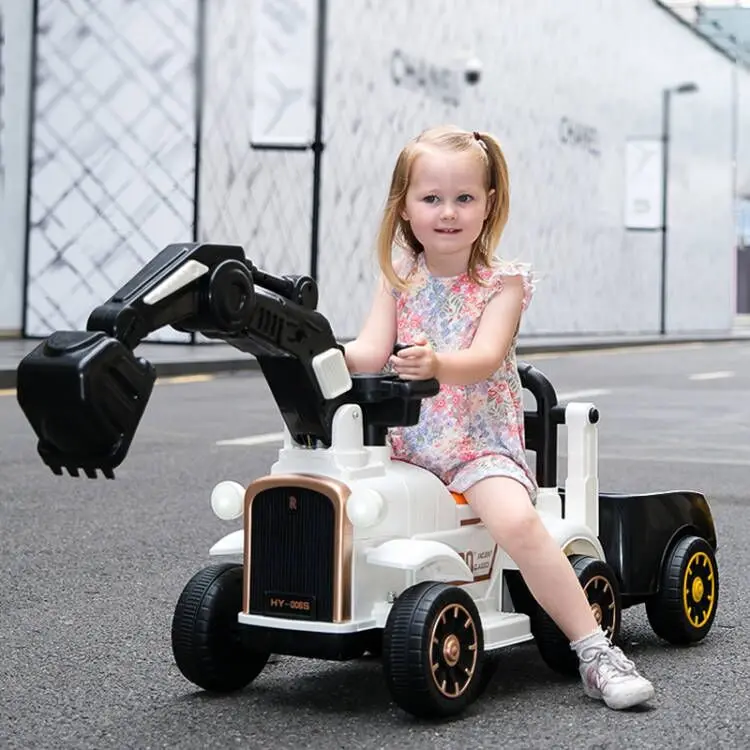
(416, 362)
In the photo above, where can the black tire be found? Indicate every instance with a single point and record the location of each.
(433, 650)
(206, 640)
(602, 589)
(684, 608)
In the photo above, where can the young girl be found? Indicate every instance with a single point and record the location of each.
(459, 310)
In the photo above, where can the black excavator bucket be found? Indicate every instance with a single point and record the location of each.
(84, 394)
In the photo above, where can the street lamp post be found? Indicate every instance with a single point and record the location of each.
(683, 88)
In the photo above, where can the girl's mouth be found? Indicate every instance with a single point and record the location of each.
(447, 231)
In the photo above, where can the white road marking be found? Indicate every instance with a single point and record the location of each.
(577, 395)
(203, 378)
(268, 437)
(614, 350)
(718, 375)
(676, 459)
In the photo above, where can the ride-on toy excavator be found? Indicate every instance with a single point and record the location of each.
(342, 550)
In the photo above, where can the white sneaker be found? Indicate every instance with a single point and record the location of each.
(610, 676)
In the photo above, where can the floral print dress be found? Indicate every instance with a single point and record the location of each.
(465, 433)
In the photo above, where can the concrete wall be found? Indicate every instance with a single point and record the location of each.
(599, 65)
(564, 87)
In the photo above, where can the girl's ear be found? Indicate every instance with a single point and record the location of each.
(490, 203)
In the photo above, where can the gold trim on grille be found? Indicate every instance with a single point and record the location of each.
(337, 492)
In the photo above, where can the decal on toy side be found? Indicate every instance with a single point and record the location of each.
(480, 563)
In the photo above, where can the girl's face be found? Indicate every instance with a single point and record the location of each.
(447, 203)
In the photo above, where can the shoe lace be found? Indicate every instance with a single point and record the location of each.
(612, 662)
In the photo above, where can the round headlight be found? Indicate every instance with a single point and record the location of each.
(365, 507)
(228, 500)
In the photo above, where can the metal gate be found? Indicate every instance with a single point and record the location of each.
(141, 138)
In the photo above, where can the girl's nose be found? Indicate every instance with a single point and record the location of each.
(448, 211)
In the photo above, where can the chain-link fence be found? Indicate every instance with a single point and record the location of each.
(143, 125)
(258, 199)
(113, 164)
(130, 101)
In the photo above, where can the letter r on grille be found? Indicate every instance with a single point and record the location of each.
(292, 502)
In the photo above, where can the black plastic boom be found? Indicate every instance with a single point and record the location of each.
(84, 392)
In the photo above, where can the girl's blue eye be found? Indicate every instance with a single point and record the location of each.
(465, 198)
(429, 198)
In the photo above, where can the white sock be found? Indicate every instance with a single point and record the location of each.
(597, 638)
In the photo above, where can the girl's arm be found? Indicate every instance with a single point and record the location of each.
(493, 337)
(370, 351)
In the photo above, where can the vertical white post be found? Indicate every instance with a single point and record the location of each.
(582, 482)
(17, 71)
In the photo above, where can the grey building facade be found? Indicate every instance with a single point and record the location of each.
(127, 127)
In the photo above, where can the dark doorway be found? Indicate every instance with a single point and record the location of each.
(743, 256)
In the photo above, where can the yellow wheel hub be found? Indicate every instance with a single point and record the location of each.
(699, 589)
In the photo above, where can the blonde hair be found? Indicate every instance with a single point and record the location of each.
(395, 230)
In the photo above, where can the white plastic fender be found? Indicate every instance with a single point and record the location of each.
(231, 544)
(415, 554)
(573, 538)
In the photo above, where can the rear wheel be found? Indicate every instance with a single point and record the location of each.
(684, 608)
(603, 593)
(206, 638)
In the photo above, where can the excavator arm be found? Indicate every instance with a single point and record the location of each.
(84, 392)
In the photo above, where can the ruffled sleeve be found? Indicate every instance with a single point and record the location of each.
(504, 269)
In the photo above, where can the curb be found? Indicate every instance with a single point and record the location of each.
(187, 367)
(529, 347)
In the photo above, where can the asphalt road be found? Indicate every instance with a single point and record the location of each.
(92, 570)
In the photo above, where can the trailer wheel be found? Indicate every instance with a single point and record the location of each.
(684, 608)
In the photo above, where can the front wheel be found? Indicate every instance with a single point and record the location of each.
(206, 639)
(602, 591)
(433, 650)
(684, 608)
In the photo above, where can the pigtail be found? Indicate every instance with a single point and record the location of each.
(499, 182)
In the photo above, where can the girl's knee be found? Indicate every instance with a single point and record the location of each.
(525, 529)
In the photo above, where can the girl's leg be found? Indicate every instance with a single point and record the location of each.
(506, 510)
